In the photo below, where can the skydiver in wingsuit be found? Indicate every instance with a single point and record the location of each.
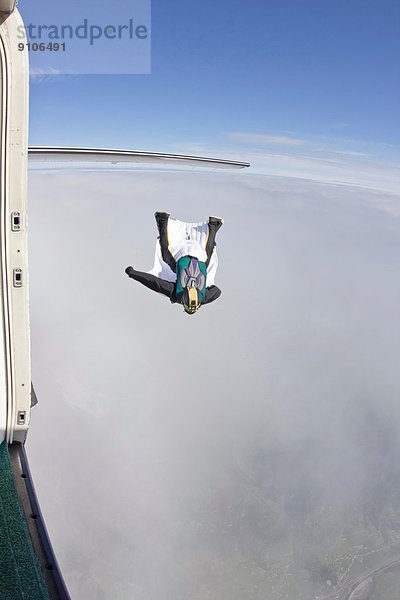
(185, 262)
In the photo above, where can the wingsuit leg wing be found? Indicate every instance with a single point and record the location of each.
(214, 224)
(162, 224)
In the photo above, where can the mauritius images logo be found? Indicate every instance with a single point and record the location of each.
(62, 41)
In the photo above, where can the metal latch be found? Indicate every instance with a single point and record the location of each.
(17, 277)
(16, 221)
(21, 417)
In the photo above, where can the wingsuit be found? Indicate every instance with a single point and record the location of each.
(185, 262)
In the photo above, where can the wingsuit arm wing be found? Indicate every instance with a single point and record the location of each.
(151, 281)
(212, 293)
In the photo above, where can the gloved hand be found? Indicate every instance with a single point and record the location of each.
(129, 270)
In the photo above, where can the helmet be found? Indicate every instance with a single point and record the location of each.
(190, 300)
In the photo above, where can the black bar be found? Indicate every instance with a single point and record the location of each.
(36, 525)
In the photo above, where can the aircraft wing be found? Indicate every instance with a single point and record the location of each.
(51, 154)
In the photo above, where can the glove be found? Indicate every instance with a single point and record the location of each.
(129, 270)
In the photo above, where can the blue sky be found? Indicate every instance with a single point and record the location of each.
(241, 76)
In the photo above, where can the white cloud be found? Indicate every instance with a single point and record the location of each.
(40, 74)
(44, 71)
(172, 454)
(325, 164)
(353, 153)
(258, 138)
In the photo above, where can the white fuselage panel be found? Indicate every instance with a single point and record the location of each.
(15, 380)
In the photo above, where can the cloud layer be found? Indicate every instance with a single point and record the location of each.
(214, 456)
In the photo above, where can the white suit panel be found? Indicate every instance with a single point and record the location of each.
(185, 239)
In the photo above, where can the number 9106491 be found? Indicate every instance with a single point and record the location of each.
(42, 47)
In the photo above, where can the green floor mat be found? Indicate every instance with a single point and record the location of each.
(20, 574)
